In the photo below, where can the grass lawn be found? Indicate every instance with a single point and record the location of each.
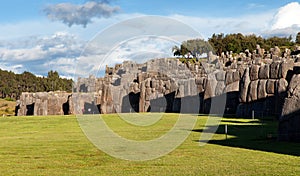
(55, 145)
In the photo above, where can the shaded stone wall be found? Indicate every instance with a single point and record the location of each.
(263, 88)
(289, 122)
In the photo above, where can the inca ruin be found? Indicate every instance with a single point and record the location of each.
(266, 83)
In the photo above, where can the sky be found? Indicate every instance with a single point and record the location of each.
(39, 35)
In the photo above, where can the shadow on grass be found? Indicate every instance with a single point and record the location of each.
(260, 135)
(238, 122)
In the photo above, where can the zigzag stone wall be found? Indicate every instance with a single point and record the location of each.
(252, 81)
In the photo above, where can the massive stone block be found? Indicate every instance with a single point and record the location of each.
(229, 77)
(289, 122)
(274, 70)
(271, 83)
(252, 95)
(233, 87)
(220, 88)
(210, 88)
(282, 85)
(254, 72)
(285, 67)
(264, 72)
(220, 75)
(244, 84)
(261, 90)
(236, 76)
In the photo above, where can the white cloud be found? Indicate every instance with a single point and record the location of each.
(248, 24)
(137, 39)
(65, 66)
(40, 51)
(40, 48)
(73, 14)
(287, 16)
(14, 68)
(33, 53)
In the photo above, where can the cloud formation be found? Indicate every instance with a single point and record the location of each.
(287, 16)
(74, 14)
(61, 51)
(41, 54)
(248, 24)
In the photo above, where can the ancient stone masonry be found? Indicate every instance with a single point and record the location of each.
(261, 81)
(263, 88)
(289, 122)
(43, 103)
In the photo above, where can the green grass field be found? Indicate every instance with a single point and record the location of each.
(55, 145)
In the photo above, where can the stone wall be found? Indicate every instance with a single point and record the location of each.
(289, 122)
(263, 88)
(43, 103)
(161, 84)
(266, 82)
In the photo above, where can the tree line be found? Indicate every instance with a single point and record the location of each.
(235, 42)
(12, 85)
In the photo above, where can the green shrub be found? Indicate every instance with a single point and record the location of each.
(9, 99)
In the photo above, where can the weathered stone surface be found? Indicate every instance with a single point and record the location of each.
(264, 72)
(289, 122)
(254, 72)
(229, 77)
(282, 85)
(220, 88)
(285, 67)
(271, 83)
(201, 83)
(142, 97)
(274, 70)
(244, 86)
(210, 88)
(261, 90)
(233, 87)
(236, 76)
(276, 51)
(168, 85)
(241, 71)
(220, 75)
(148, 83)
(294, 87)
(252, 96)
(148, 94)
(43, 103)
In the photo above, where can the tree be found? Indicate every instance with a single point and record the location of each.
(12, 85)
(217, 42)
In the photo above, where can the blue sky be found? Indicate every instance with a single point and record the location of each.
(19, 10)
(39, 35)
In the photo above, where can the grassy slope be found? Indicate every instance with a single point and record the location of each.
(7, 108)
(57, 146)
